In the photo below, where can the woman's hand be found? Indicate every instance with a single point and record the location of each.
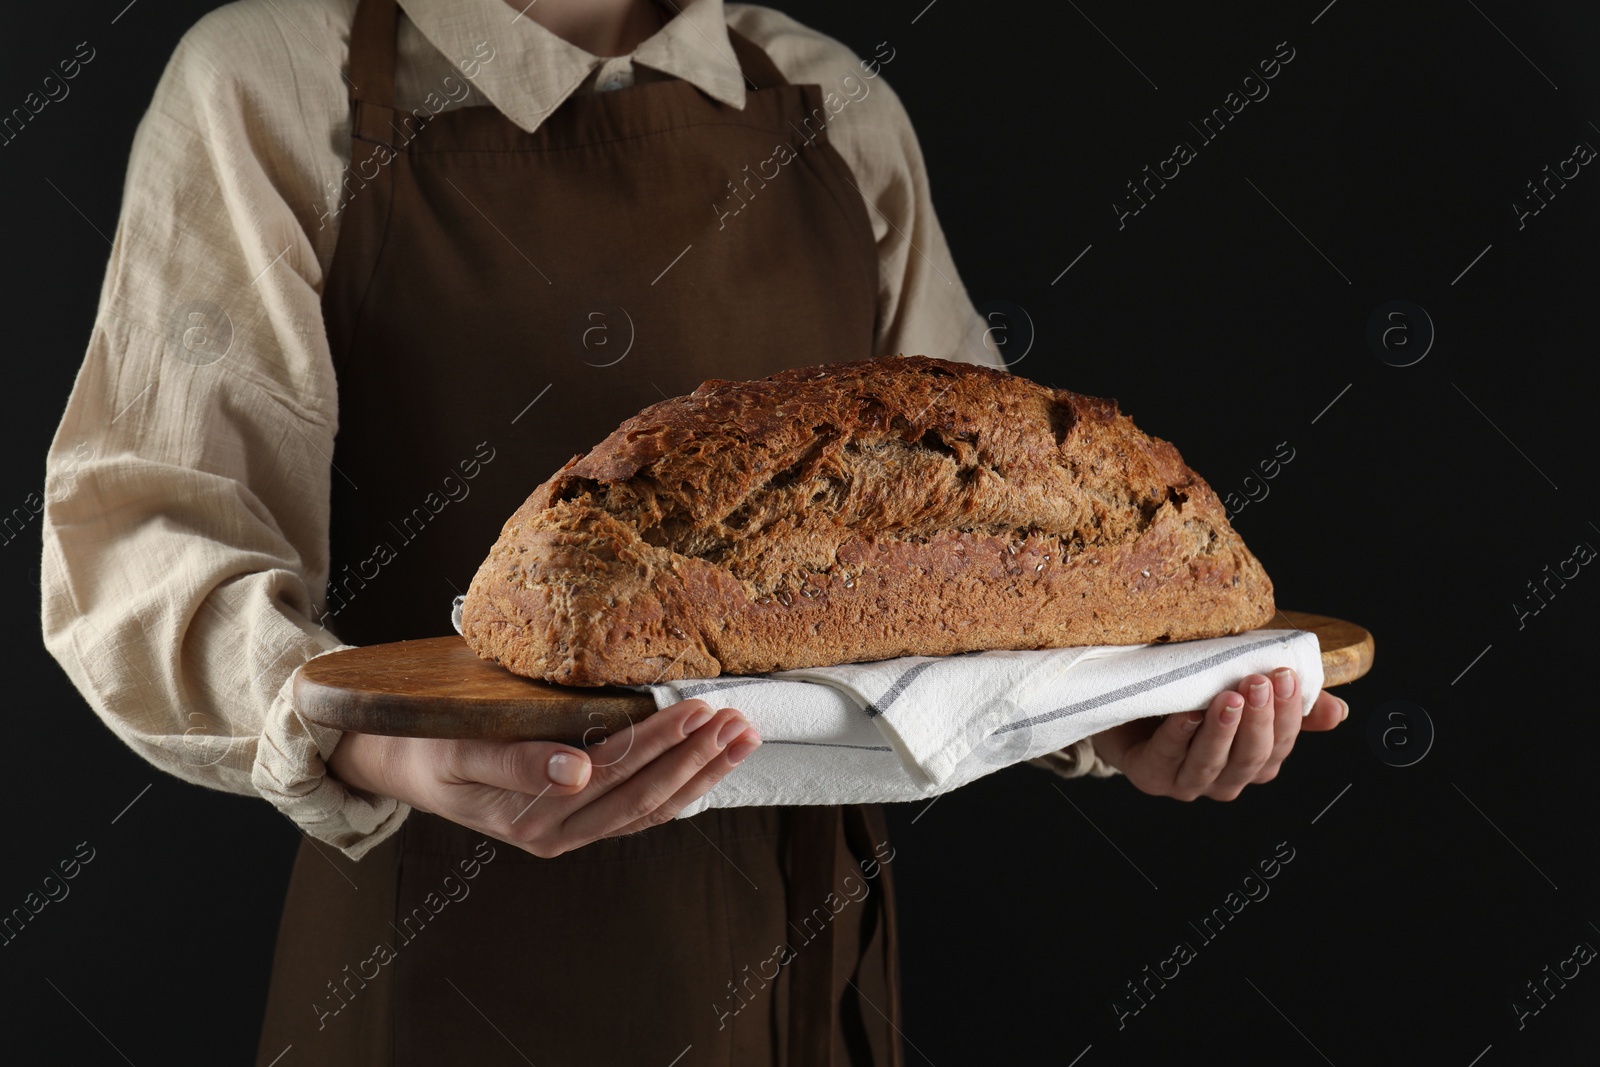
(1241, 739)
(549, 798)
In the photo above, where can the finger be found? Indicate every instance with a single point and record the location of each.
(553, 771)
(523, 775)
(1252, 739)
(533, 767)
(1286, 721)
(546, 832)
(617, 757)
(648, 790)
(702, 783)
(1115, 744)
(1208, 750)
(1166, 749)
(1327, 712)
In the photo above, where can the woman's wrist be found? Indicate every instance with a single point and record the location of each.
(358, 761)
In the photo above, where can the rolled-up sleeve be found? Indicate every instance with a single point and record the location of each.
(1077, 760)
(186, 509)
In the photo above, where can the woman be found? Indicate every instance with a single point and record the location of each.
(375, 277)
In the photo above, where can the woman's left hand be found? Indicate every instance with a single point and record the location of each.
(1242, 738)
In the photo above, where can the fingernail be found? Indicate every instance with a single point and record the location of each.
(1230, 710)
(1191, 720)
(1283, 682)
(1346, 714)
(731, 729)
(743, 747)
(698, 719)
(565, 769)
(1259, 694)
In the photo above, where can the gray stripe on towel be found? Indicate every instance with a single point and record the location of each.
(711, 687)
(830, 744)
(1143, 686)
(899, 686)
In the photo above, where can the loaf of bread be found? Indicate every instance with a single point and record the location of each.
(858, 511)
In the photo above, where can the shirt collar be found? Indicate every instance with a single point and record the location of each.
(533, 70)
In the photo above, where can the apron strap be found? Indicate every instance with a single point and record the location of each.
(372, 51)
(813, 873)
(863, 826)
(813, 1007)
(374, 38)
(758, 67)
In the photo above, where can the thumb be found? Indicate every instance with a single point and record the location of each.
(531, 767)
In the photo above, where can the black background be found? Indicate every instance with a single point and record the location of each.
(1419, 504)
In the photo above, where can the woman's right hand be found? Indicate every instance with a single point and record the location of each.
(549, 798)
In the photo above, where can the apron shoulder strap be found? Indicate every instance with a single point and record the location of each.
(759, 69)
(374, 34)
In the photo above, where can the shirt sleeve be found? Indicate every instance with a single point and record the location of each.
(187, 488)
(1077, 760)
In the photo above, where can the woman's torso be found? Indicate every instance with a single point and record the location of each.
(500, 300)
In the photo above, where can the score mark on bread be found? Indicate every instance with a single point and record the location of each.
(858, 511)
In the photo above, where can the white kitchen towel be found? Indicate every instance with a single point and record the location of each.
(915, 727)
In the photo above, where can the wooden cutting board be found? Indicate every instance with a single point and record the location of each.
(438, 687)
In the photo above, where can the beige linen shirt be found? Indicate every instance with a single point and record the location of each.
(187, 488)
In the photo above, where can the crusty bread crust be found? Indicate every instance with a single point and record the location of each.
(858, 511)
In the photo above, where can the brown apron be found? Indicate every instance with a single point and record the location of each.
(498, 302)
